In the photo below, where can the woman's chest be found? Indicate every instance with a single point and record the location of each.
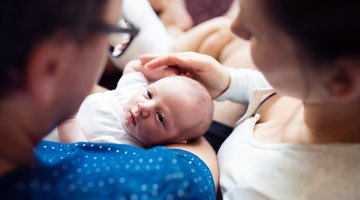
(280, 119)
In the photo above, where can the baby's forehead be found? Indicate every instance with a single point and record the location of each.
(176, 79)
(178, 82)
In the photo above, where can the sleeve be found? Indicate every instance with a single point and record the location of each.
(243, 82)
(109, 171)
(132, 80)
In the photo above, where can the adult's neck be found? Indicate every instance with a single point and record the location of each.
(333, 123)
(18, 125)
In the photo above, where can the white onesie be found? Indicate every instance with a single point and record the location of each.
(101, 114)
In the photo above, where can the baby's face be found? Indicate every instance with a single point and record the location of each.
(160, 113)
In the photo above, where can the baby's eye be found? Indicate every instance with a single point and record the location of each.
(149, 94)
(160, 117)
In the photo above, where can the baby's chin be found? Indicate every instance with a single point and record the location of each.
(125, 123)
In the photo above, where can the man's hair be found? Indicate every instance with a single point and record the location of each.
(25, 23)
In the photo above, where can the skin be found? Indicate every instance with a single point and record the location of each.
(316, 105)
(157, 115)
(205, 37)
(173, 14)
(55, 87)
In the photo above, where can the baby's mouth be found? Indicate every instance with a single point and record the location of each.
(132, 119)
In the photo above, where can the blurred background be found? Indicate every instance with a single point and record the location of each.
(199, 11)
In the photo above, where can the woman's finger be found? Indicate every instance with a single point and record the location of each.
(164, 60)
(148, 57)
(186, 61)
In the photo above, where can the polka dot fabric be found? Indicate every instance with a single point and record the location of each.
(109, 171)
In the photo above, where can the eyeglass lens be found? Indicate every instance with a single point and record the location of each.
(119, 41)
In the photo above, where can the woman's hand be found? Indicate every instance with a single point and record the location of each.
(201, 67)
(150, 75)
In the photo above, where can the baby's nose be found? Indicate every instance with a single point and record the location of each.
(144, 109)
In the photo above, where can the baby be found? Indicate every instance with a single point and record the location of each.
(173, 109)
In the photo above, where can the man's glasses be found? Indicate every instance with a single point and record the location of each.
(120, 36)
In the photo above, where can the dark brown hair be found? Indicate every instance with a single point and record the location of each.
(323, 30)
(24, 23)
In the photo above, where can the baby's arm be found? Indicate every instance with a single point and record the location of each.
(69, 132)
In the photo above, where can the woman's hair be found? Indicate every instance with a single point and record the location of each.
(24, 23)
(323, 30)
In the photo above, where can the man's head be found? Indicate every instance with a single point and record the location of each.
(173, 109)
(50, 50)
(27, 24)
(51, 58)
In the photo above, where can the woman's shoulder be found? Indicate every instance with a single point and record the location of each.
(274, 106)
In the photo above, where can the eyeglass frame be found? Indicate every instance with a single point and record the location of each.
(133, 31)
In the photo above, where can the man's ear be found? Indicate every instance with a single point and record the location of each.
(344, 82)
(42, 70)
